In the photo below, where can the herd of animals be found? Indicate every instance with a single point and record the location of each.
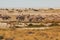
(33, 18)
(44, 16)
(13, 17)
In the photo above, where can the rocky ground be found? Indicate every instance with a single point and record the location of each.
(30, 34)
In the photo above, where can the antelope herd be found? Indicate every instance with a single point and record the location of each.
(11, 18)
(29, 16)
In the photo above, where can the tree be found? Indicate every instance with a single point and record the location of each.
(51, 9)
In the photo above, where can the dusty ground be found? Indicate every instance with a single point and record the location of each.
(30, 34)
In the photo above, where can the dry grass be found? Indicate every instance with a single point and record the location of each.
(52, 33)
(31, 34)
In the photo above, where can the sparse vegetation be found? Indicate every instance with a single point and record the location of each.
(30, 33)
(8, 38)
(32, 25)
(54, 24)
(1, 37)
(30, 17)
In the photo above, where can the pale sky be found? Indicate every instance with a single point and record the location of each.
(29, 3)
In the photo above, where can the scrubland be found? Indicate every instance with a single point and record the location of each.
(10, 19)
(30, 34)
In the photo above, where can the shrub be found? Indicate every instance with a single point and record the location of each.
(54, 24)
(30, 25)
(12, 28)
(1, 37)
(30, 32)
(41, 25)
